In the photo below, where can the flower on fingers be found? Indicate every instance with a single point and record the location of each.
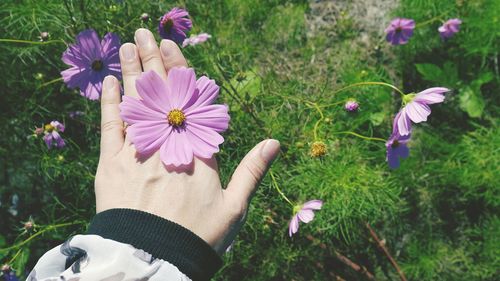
(51, 136)
(174, 25)
(449, 28)
(304, 213)
(196, 39)
(91, 60)
(416, 108)
(399, 31)
(175, 117)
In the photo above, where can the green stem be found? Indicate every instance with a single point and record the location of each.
(48, 228)
(369, 84)
(428, 21)
(322, 116)
(31, 42)
(360, 136)
(275, 183)
(51, 82)
(15, 256)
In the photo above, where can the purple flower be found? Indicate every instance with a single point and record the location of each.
(449, 28)
(175, 117)
(174, 25)
(52, 136)
(305, 213)
(397, 146)
(399, 31)
(8, 274)
(416, 108)
(91, 60)
(351, 105)
(196, 39)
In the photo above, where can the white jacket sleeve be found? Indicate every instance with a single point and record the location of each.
(129, 245)
(92, 258)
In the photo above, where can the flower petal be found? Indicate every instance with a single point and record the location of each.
(313, 205)
(293, 227)
(417, 111)
(148, 136)
(133, 110)
(201, 147)
(392, 158)
(213, 116)
(207, 134)
(176, 150)
(403, 122)
(431, 95)
(207, 91)
(181, 82)
(154, 92)
(306, 215)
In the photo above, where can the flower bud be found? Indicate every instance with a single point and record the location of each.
(144, 17)
(318, 149)
(351, 106)
(44, 36)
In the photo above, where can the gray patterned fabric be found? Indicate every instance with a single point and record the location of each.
(91, 258)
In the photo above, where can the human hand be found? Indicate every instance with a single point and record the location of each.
(193, 198)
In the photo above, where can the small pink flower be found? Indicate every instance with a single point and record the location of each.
(196, 39)
(449, 28)
(175, 117)
(52, 136)
(304, 213)
(174, 25)
(399, 31)
(416, 108)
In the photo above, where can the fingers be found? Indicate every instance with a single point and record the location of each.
(111, 123)
(131, 68)
(250, 172)
(149, 52)
(171, 55)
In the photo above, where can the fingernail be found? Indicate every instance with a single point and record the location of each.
(128, 52)
(109, 83)
(142, 36)
(270, 150)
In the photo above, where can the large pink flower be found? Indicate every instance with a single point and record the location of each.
(176, 116)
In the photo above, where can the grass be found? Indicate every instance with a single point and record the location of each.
(438, 213)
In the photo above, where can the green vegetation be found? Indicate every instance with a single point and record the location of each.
(437, 213)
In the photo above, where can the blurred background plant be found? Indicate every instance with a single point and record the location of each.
(437, 214)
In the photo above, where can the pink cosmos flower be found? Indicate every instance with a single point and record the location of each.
(196, 39)
(416, 108)
(449, 28)
(174, 25)
(399, 31)
(175, 117)
(397, 146)
(52, 136)
(304, 213)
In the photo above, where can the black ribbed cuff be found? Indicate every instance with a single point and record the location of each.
(161, 238)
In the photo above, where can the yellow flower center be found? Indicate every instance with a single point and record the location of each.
(49, 128)
(318, 149)
(176, 117)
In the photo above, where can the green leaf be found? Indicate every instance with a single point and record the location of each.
(430, 72)
(19, 263)
(471, 101)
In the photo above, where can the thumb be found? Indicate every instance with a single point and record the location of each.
(251, 170)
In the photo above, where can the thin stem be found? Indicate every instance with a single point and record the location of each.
(356, 267)
(48, 228)
(386, 252)
(275, 183)
(15, 256)
(31, 42)
(369, 84)
(322, 116)
(360, 136)
(51, 82)
(428, 21)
